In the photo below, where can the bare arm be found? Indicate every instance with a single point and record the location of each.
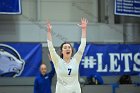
(81, 48)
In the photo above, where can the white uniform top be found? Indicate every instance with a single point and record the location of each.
(67, 73)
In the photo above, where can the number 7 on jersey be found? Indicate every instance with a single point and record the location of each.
(69, 71)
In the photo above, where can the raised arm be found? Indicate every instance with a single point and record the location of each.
(49, 28)
(51, 48)
(81, 48)
(52, 72)
(83, 26)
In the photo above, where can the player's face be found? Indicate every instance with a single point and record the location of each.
(43, 69)
(67, 50)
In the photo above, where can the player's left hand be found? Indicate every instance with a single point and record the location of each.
(83, 23)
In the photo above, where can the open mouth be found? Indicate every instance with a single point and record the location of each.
(67, 52)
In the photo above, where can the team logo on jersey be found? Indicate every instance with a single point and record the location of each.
(46, 77)
(11, 63)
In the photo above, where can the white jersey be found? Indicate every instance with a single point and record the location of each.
(67, 73)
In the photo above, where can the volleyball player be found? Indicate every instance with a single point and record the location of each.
(67, 65)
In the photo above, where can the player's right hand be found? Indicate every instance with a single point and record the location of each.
(49, 26)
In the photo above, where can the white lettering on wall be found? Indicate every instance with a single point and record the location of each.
(100, 63)
(125, 58)
(114, 66)
(137, 61)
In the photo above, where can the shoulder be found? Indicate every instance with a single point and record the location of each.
(73, 59)
(60, 60)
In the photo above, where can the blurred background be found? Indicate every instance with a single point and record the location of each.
(105, 27)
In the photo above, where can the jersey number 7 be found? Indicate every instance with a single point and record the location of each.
(69, 71)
